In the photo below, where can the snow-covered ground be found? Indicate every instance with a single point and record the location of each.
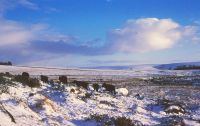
(49, 106)
(46, 106)
(136, 71)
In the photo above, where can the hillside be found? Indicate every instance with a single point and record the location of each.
(174, 66)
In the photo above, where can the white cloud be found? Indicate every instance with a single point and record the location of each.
(15, 33)
(12, 32)
(28, 4)
(149, 34)
(10, 4)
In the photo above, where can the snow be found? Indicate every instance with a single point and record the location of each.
(191, 123)
(137, 71)
(48, 106)
(46, 109)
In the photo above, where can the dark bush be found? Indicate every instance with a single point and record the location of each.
(44, 79)
(102, 120)
(7, 74)
(25, 75)
(96, 87)
(63, 79)
(109, 87)
(81, 84)
(31, 82)
(21, 79)
(123, 121)
(31, 94)
(190, 67)
(105, 120)
(72, 91)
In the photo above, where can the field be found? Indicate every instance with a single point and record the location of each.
(155, 97)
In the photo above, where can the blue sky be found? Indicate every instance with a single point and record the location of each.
(76, 33)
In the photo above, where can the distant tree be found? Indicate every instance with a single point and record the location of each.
(190, 67)
(9, 63)
(6, 63)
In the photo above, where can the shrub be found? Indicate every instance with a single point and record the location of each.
(25, 75)
(107, 103)
(7, 74)
(87, 96)
(25, 80)
(105, 120)
(63, 79)
(109, 87)
(33, 82)
(96, 87)
(123, 121)
(4, 83)
(44, 79)
(72, 91)
(21, 79)
(81, 84)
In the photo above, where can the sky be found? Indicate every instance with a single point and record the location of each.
(84, 33)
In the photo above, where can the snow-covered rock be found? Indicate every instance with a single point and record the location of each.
(122, 91)
(175, 109)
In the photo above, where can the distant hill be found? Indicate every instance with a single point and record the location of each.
(124, 67)
(179, 66)
(110, 67)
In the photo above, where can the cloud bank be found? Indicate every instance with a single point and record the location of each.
(149, 34)
(35, 42)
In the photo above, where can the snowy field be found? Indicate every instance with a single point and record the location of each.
(139, 98)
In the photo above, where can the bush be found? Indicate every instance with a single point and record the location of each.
(33, 82)
(123, 121)
(96, 87)
(25, 75)
(105, 120)
(87, 96)
(82, 84)
(109, 87)
(25, 80)
(21, 79)
(44, 79)
(72, 91)
(63, 79)
(4, 83)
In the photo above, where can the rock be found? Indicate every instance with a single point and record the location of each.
(174, 109)
(122, 91)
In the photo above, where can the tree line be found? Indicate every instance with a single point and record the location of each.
(6, 63)
(190, 67)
